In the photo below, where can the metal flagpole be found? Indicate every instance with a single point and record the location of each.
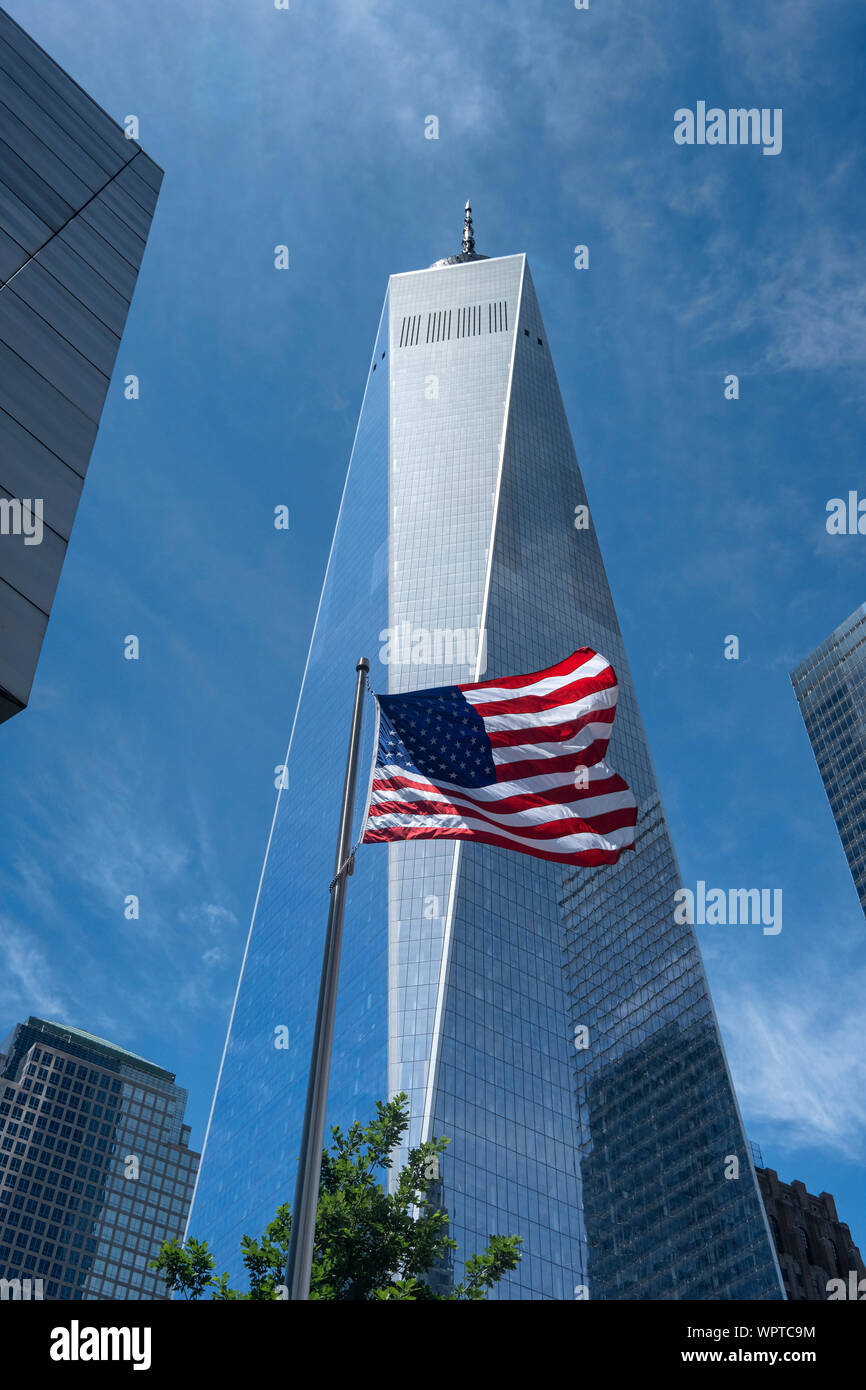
(300, 1261)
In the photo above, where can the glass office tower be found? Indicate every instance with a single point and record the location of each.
(461, 549)
(830, 686)
(95, 1166)
(76, 202)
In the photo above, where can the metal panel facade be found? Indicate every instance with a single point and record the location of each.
(76, 203)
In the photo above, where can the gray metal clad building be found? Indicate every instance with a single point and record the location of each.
(76, 202)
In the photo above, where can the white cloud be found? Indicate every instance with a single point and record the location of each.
(77, 857)
(815, 305)
(772, 43)
(797, 1059)
(26, 978)
(211, 915)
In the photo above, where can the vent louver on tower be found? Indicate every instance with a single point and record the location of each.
(469, 321)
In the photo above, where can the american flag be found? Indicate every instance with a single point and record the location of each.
(516, 762)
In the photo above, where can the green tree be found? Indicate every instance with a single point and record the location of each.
(370, 1243)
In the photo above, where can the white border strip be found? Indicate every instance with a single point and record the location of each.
(373, 762)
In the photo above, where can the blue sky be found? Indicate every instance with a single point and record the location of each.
(306, 127)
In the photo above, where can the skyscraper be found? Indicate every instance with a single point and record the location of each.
(76, 202)
(830, 686)
(95, 1165)
(555, 1024)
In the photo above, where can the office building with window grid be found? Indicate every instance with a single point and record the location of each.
(830, 686)
(95, 1165)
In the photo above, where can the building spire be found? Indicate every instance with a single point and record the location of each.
(468, 248)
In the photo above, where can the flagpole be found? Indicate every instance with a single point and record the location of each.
(300, 1261)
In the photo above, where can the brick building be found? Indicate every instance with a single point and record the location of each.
(812, 1244)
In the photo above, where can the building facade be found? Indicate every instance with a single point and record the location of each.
(830, 686)
(76, 202)
(95, 1166)
(464, 547)
(815, 1249)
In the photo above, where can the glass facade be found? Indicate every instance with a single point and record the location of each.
(76, 203)
(95, 1168)
(467, 969)
(830, 686)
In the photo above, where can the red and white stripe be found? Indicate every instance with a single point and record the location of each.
(542, 727)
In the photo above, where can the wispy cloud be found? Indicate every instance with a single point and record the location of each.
(26, 977)
(112, 835)
(795, 1053)
(771, 42)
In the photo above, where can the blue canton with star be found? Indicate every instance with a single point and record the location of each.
(437, 733)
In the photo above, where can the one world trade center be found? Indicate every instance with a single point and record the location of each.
(555, 1023)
